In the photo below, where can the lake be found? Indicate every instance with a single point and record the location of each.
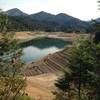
(38, 48)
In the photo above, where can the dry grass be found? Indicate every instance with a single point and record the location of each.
(26, 36)
(40, 87)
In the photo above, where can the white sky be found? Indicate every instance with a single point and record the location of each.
(82, 9)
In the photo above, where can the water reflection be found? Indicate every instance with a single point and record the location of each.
(37, 49)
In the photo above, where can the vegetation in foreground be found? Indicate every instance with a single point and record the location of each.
(12, 83)
(81, 79)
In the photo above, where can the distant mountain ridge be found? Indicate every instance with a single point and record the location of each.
(16, 12)
(48, 22)
(42, 16)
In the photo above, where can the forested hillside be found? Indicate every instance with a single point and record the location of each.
(42, 21)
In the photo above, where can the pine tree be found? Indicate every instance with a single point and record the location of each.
(83, 81)
(12, 82)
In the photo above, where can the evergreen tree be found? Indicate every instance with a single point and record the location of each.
(83, 80)
(12, 82)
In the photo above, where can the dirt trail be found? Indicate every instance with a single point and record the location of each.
(40, 87)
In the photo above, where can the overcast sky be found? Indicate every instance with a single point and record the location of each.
(82, 9)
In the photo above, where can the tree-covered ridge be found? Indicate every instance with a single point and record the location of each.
(43, 21)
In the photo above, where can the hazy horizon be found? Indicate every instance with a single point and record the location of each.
(82, 9)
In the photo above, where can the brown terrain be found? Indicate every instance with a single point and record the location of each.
(49, 64)
(40, 87)
(41, 75)
(26, 36)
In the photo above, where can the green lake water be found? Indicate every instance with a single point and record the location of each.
(36, 49)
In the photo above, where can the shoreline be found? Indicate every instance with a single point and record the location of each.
(66, 37)
(26, 36)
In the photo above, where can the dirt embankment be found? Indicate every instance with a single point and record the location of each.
(41, 75)
(27, 36)
(40, 87)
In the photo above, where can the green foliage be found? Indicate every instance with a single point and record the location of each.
(95, 25)
(26, 23)
(12, 83)
(24, 97)
(3, 22)
(61, 83)
(84, 63)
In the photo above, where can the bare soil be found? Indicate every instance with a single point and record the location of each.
(40, 87)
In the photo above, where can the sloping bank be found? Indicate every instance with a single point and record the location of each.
(52, 63)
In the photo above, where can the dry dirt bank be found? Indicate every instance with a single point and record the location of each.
(40, 87)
